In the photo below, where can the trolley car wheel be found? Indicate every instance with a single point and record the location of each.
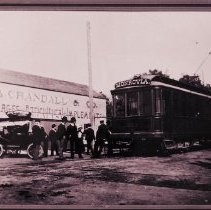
(1, 150)
(30, 150)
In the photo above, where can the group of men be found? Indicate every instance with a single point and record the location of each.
(64, 133)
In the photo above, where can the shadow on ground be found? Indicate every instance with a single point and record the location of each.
(203, 164)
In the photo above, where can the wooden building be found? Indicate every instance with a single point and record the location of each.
(48, 99)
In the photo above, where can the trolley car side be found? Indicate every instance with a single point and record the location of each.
(149, 111)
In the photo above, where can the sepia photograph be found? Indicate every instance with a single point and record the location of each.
(105, 107)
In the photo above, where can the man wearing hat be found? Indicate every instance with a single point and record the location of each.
(61, 135)
(79, 144)
(90, 137)
(72, 135)
(44, 140)
(101, 136)
(53, 138)
(37, 138)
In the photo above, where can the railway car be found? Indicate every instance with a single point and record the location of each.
(153, 113)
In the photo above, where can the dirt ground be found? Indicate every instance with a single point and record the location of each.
(180, 179)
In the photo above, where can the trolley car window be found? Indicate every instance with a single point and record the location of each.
(167, 107)
(178, 103)
(147, 102)
(157, 100)
(132, 103)
(120, 105)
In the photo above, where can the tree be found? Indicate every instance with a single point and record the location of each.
(208, 86)
(153, 72)
(157, 72)
(192, 80)
(195, 81)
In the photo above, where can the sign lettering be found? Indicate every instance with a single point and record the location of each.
(46, 104)
(133, 82)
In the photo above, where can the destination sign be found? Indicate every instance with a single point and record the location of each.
(133, 82)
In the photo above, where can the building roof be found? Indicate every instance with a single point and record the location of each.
(29, 80)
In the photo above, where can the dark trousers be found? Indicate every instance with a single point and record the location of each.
(54, 147)
(65, 145)
(75, 147)
(45, 148)
(98, 147)
(60, 143)
(110, 147)
(89, 146)
(36, 151)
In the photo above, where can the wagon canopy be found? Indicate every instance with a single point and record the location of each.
(14, 123)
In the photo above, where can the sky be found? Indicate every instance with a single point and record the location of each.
(54, 44)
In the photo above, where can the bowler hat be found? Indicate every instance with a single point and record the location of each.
(53, 125)
(64, 119)
(72, 119)
(88, 125)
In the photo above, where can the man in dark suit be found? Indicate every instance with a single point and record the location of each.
(61, 135)
(101, 136)
(37, 136)
(110, 143)
(72, 135)
(44, 140)
(53, 138)
(90, 137)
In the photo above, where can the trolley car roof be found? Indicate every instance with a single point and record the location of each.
(28, 80)
(156, 80)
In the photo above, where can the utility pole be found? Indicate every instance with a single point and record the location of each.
(88, 27)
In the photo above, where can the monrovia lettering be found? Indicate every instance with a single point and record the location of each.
(133, 82)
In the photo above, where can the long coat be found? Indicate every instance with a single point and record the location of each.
(89, 133)
(102, 133)
(72, 132)
(37, 134)
(52, 135)
(61, 131)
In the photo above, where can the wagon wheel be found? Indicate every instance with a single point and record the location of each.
(1, 150)
(30, 150)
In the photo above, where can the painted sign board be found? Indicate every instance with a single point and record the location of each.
(133, 82)
(50, 105)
